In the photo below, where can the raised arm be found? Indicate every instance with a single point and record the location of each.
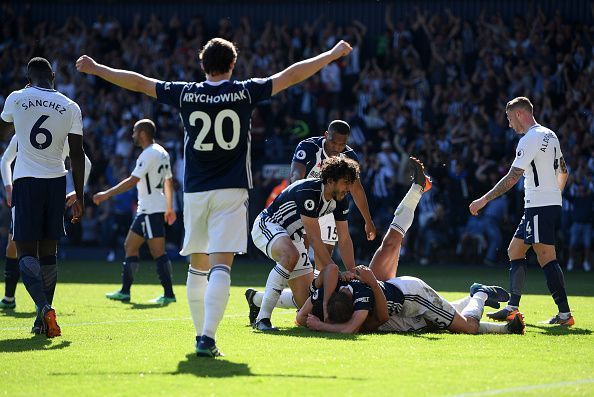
(123, 78)
(302, 70)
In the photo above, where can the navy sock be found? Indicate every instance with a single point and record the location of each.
(164, 272)
(129, 268)
(556, 284)
(31, 273)
(517, 279)
(11, 276)
(49, 275)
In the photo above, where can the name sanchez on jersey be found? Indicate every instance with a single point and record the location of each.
(44, 103)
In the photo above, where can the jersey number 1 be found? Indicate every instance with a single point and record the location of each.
(218, 130)
(39, 130)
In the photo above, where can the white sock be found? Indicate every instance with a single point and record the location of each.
(285, 300)
(492, 328)
(195, 288)
(278, 279)
(460, 304)
(405, 213)
(508, 307)
(216, 298)
(475, 306)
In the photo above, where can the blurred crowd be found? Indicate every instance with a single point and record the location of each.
(433, 85)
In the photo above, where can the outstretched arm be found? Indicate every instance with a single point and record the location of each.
(123, 78)
(121, 187)
(506, 183)
(300, 71)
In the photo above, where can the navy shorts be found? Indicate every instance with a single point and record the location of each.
(38, 208)
(149, 225)
(539, 225)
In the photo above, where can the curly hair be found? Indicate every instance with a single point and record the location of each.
(340, 308)
(338, 167)
(217, 56)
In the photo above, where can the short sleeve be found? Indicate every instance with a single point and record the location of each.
(259, 89)
(143, 165)
(306, 201)
(341, 211)
(169, 93)
(304, 151)
(7, 112)
(525, 153)
(168, 174)
(77, 125)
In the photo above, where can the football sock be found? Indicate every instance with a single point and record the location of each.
(492, 328)
(31, 273)
(216, 298)
(517, 279)
(475, 306)
(556, 284)
(405, 213)
(278, 279)
(285, 301)
(129, 269)
(11, 276)
(195, 289)
(164, 271)
(460, 304)
(49, 275)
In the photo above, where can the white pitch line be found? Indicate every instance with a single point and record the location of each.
(527, 388)
(148, 320)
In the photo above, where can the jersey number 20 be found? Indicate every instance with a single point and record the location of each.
(37, 130)
(218, 130)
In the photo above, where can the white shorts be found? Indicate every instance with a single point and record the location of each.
(422, 307)
(264, 234)
(215, 221)
(328, 229)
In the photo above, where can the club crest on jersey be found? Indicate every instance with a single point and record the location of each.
(309, 205)
(300, 154)
(520, 153)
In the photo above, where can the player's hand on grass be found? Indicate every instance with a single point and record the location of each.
(86, 64)
(365, 275)
(8, 194)
(70, 199)
(78, 209)
(370, 231)
(170, 217)
(100, 197)
(477, 205)
(313, 322)
(341, 49)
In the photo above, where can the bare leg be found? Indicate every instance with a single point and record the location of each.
(384, 263)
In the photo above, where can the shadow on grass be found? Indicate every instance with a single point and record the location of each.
(307, 333)
(36, 342)
(205, 367)
(12, 313)
(560, 330)
(143, 306)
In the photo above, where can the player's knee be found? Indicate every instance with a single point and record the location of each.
(289, 258)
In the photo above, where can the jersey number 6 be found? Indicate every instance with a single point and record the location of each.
(218, 130)
(39, 130)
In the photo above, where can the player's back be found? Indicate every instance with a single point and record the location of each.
(152, 167)
(217, 120)
(42, 119)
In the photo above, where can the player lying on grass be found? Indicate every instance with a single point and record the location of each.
(398, 304)
(278, 232)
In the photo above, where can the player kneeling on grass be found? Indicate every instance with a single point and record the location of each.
(153, 179)
(278, 232)
(398, 304)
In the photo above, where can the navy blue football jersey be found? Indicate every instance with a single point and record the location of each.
(304, 197)
(216, 118)
(310, 152)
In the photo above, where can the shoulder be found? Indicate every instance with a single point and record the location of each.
(350, 153)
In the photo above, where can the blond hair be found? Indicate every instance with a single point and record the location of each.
(520, 102)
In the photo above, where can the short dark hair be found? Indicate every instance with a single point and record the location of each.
(339, 127)
(340, 308)
(39, 68)
(147, 126)
(217, 56)
(338, 167)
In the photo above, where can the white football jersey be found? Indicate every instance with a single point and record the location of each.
(152, 168)
(42, 119)
(538, 154)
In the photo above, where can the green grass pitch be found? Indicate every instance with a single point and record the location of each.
(114, 349)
